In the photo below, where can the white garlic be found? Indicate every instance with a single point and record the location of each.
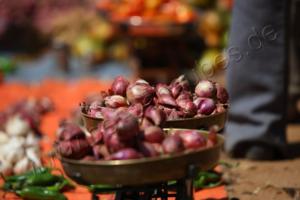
(16, 126)
(22, 166)
(3, 138)
(31, 140)
(33, 155)
(5, 167)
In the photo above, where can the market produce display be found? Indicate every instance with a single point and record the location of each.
(37, 184)
(20, 135)
(159, 11)
(162, 102)
(120, 137)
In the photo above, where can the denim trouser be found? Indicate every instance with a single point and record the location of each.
(257, 73)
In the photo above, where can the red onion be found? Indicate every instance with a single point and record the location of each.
(127, 127)
(140, 93)
(100, 151)
(136, 110)
(192, 139)
(157, 116)
(187, 107)
(115, 101)
(162, 89)
(173, 144)
(176, 90)
(222, 94)
(181, 80)
(119, 86)
(95, 109)
(107, 113)
(145, 123)
(197, 101)
(206, 89)
(96, 137)
(165, 109)
(173, 115)
(148, 149)
(114, 143)
(141, 81)
(154, 134)
(69, 131)
(167, 100)
(125, 154)
(207, 106)
(76, 149)
(184, 95)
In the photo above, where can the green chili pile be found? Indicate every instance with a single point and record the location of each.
(38, 184)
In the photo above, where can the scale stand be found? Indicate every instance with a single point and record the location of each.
(181, 190)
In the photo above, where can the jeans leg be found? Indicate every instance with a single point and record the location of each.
(257, 73)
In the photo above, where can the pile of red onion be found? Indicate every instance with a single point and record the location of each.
(120, 136)
(162, 102)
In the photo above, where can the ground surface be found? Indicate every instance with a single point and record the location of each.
(276, 180)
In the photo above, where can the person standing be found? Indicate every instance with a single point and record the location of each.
(257, 79)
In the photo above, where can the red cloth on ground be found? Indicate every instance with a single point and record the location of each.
(67, 96)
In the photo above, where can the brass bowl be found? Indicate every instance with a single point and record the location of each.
(142, 171)
(204, 122)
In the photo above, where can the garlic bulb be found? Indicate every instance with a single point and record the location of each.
(3, 138)
(33, 155)
(16, 126)
(22, 166)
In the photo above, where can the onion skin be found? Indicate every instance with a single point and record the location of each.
(192, 139)
(172, 144)
(127, 126)
(207, 106)
(119, 86)
(145, 123)
(114, 144)
(167, 100)
(184, 95)
(173, 115)
(125, 154)
(69, 131)
(107, 113)
(140, 93)
(222, 94)
(96, 137)
(115, 101)
(176, 90)
(100, 151)
(156, 115)
(206, 89)
(162, 89)
(75, 149)
(187, 106)
(154, 134)
(136, 110)
(148, 149)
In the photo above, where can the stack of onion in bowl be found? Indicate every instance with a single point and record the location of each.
(121, 136)
(176, 101)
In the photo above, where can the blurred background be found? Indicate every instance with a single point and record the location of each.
(100, 39)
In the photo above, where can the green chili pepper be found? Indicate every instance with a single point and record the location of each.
(37, 171)
(207, 179)
(45, 179)
(40, 193)
(61, 184)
